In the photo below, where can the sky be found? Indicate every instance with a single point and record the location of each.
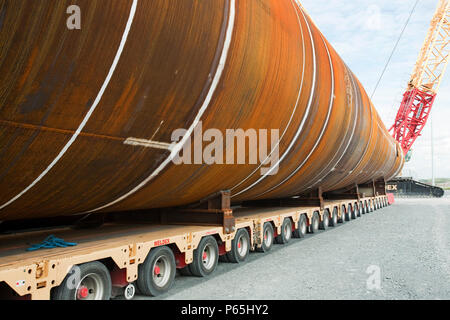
(364, 33)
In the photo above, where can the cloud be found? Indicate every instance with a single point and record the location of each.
(364, 32)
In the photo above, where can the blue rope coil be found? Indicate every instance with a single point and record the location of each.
(51, 242)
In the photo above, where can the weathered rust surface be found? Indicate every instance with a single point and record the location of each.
(140, 69)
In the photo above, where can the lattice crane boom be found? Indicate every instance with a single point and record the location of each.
(425, 80)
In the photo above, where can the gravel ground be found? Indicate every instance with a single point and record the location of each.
(398, 252)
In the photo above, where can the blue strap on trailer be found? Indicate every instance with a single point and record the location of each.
(51, 242)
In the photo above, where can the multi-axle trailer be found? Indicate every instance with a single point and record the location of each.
(117, 257)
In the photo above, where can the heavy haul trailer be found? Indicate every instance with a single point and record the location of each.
(117, 256)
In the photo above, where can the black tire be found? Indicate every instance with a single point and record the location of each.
(367, 207)
(157, 273)
(185, 271)
(88, 281)
(302, 229)
(349, 212)
(357, 210)
(315, 221)
(362, 208)
(224, 258)
(325, 220)
(240, 247)
(268, 238)
(343, 218)
(334, 218)
(286, 232)
(352, 211)
(203, 266)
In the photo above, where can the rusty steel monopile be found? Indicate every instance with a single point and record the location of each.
(91, 95)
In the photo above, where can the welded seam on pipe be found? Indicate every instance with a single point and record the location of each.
(91, 110)
(358, 102)
(295, 108)
(300, 129)
(325, 126)
(347, 146)
(177, 148)
(371, 122)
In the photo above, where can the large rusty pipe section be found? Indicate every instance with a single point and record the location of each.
(71, 99)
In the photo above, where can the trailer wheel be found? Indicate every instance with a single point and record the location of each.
(351, 213)
(334, 218)
(129, 291)
(343, 215)
(362, 208)
(302, 229)
(240, 247)
(206, 257)
(357, 210)
(314, 226)
(157, 273)
(367, 207)
(286, 232)
(268, 238)
(88, 281)
(325, 221)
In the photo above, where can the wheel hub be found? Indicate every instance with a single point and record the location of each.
(83, 292)
(157, 270)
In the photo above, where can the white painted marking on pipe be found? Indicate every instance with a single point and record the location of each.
(330, 108)
(149, 144)
(300, 129)
(91, 110)
(157, 130)
(293, 112)
(357, 101)
(177, 148)
(346, 148)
